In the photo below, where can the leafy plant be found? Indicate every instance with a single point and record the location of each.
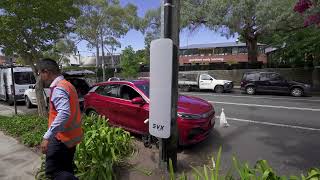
(102, 148)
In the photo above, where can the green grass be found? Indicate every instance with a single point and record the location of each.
(28, 129)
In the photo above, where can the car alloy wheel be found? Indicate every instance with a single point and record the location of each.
(250, 90)
(296, 92)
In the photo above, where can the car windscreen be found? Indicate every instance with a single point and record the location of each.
(144, 88)
(22, 78)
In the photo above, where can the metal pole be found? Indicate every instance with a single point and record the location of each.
(170, 29)
(79, 57)
(13, 88)
(103, 65)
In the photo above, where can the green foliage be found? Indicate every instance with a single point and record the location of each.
(102, 148)
(29, 129)
(130, 63)
(150, 27)
(60, 49)
(249, 18)
(28, 27)
(297, 48)
(106, 20)
(261, 171)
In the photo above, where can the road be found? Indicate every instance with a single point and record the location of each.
(281, 129)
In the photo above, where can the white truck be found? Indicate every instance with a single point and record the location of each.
(23, 78)
(203, 81)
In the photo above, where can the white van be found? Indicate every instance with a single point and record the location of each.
(23, 77)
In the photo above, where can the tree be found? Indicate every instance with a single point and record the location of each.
(310, 9)
(60, 49)
(300, 47)
(103, 22)
(250, 18)
(129, 63)
(150, 27)
(29, 27)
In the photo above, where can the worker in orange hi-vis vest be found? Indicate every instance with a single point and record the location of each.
(64, 123)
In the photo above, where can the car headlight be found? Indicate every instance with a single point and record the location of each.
(189, 116)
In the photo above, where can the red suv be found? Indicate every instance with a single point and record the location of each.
(126, 104)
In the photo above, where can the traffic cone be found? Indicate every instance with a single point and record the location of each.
(223, 119)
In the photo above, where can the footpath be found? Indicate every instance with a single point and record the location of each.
(17, 162)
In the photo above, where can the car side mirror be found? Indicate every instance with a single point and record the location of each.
(138, 100)
(211, 79)
(31, 86)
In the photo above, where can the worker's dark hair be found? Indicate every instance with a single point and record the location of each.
(49, 65)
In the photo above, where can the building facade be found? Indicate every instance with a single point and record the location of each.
(205, 54)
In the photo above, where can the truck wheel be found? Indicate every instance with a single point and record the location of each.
(186, 89)
(219, 89)
(296, 92)
(28, 102)
(250, 90)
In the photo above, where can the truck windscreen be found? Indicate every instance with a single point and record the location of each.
(22, 78)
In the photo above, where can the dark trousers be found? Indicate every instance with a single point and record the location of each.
(59, 161)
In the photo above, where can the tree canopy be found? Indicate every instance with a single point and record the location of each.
(250, 18)
(29, 27)
(130, 62)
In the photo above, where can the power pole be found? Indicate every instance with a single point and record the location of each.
(79, 57)
(13, 88)
(170, 28)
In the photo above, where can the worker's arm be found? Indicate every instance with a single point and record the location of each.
(61, 102)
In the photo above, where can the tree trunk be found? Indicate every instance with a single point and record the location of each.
(42, 111)
(102, 53)
(252, 44)
(97, 61)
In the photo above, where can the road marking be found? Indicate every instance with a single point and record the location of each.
(272, 124)
(254, 97)
(267, 106)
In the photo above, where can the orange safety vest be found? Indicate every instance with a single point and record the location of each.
(72, 133)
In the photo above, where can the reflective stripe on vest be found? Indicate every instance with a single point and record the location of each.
(71, 133)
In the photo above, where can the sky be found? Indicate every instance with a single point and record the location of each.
(136, 39)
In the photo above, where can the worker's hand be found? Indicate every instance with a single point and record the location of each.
(44, 146)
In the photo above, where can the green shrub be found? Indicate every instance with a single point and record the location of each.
(29, 129)
(101, 149)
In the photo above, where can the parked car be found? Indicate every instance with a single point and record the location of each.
(204, 82)
(126, 104)
(253, 82)
(23, 78)
(76, 79)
